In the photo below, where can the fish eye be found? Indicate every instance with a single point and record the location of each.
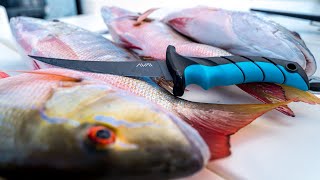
(101, 135)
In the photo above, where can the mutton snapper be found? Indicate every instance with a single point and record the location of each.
(57, 122)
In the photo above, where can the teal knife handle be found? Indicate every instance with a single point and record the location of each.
(212, 76)
(230, 70)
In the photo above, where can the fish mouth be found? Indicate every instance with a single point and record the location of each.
(162, 165)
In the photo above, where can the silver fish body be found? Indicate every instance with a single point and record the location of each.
(242, 33)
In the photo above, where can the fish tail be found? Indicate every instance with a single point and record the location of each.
(219, 144)
(268, 93)
(3, 75)
(216, 122)
(273, 93)
(298, 95)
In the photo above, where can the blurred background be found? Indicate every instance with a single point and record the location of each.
(49, 9)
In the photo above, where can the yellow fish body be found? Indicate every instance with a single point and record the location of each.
(57, 121)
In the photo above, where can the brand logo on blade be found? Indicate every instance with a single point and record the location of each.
(144, 65)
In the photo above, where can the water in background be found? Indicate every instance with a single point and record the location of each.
(47, 9)
(60, 8)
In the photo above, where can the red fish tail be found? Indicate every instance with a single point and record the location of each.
(218, 143)
(268, 93)
(216, 122)
(273, 93)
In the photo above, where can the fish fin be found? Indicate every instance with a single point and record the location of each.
(219, 144)
(144, 16)
(222, 120)
(296, 34)
(226, 119)
(146, 58)
(178, 23)
(59, 46)
(268, 93)
(35, 65)
(3, 75)
(55, 76)
(272, 93)
(129, 42)
(298, 95)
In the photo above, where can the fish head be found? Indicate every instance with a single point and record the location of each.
(57, 39)
(31, 27)
(38, 36)
(98, 130)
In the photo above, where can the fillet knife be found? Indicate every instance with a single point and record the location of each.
(206, 72)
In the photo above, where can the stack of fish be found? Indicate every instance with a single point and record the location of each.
(58, 120)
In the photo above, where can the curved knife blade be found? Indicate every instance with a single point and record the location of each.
(129, 69)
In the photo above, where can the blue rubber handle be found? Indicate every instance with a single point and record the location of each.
(242, 72)
(209, 72)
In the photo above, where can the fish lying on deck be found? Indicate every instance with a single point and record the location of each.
(242, 33)
(214, 122)
(150, 38)
(57, 121)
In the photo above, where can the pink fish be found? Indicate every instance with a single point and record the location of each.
(242, 33)
(214, 122)
(59, 121)
(149, 38)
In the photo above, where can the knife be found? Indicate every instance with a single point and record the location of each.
(206, 72)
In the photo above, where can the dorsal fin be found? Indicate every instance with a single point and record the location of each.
(144, 16)
(54, 75)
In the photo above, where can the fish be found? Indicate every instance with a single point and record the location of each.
(242, 33)
(62, 35)
(214, 122)
(125, 32)
(130, 31)
(58, 121)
